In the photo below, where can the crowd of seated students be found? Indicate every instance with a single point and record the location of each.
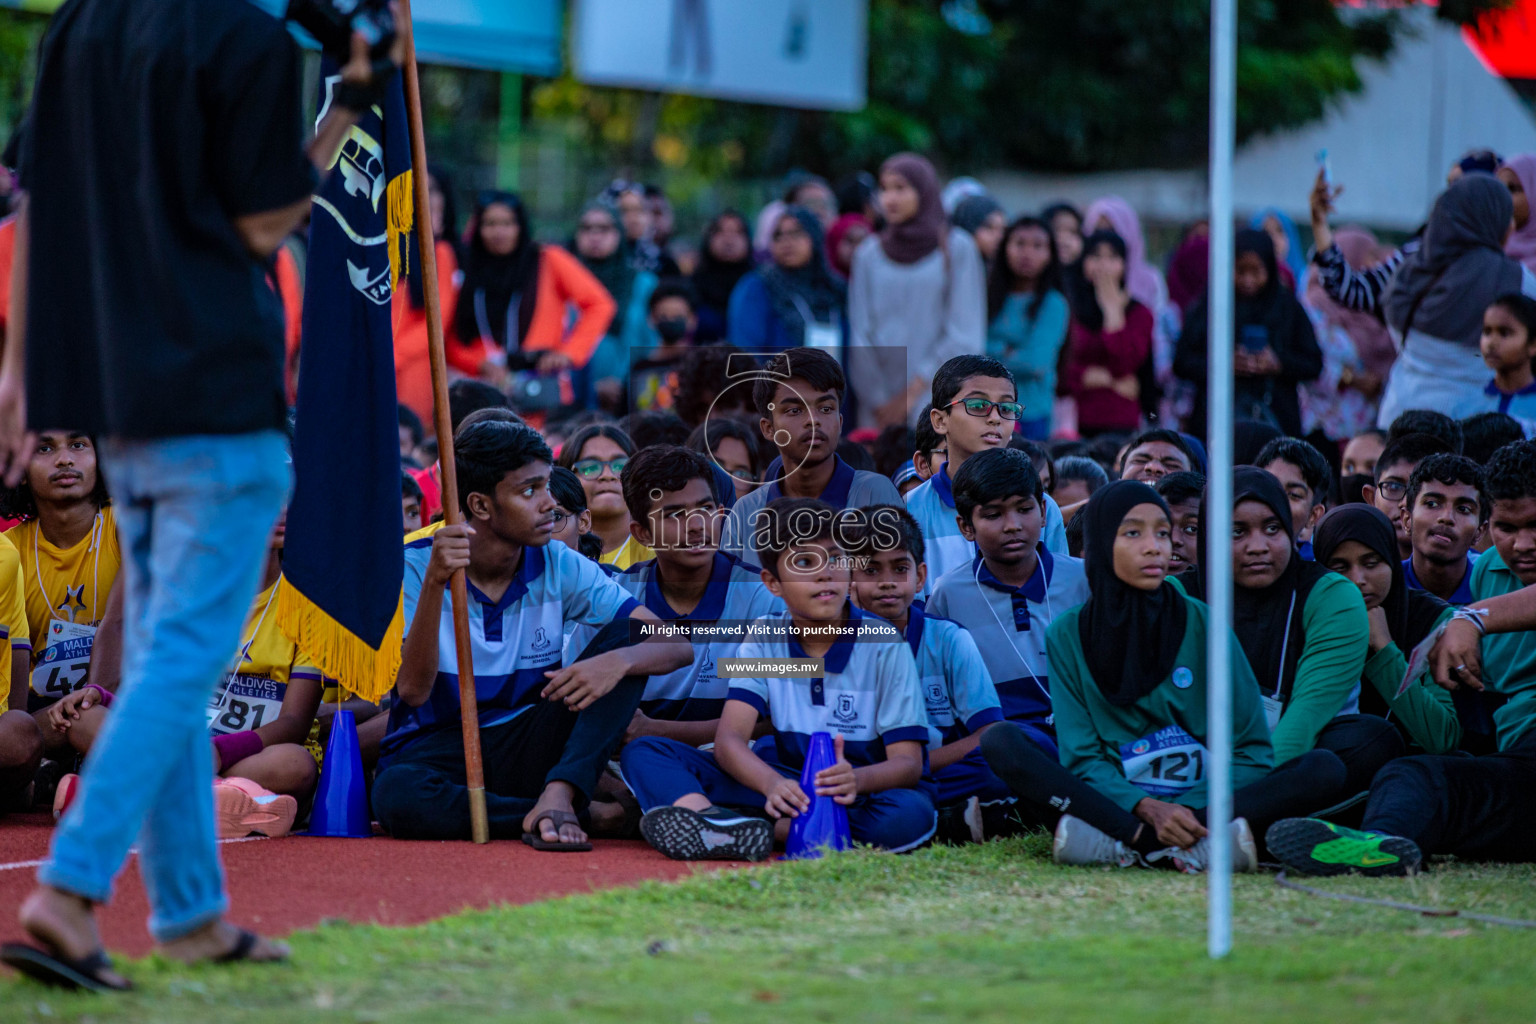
(991, 661)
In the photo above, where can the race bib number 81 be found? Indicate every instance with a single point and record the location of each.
(245, 702)
(65, 661)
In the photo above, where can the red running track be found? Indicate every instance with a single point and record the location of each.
(279, 885)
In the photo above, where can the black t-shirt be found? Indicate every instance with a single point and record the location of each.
(154, 124)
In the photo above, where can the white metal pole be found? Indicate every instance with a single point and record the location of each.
(1218, 527)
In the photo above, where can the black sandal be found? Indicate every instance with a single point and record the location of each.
(59, 971)
(241, 950)
(558, 819)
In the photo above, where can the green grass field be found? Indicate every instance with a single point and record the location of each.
(992, 933)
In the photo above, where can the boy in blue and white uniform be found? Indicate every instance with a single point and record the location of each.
(961, 702)
(975, 409)
(868, 699)
(546, 728)
(1011, 592)
(675, 510)
(799, 396)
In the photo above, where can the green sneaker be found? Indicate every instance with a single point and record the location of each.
(1321, 848)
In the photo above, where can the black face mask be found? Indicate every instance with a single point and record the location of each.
(672, 329)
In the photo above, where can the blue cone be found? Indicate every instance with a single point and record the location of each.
(341, 799)
(825, 825)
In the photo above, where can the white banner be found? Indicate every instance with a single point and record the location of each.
(794, 53)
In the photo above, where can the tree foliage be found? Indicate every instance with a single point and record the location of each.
(1047, 84)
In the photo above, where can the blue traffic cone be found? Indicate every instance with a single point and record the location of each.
(824, 825)
(341, 798)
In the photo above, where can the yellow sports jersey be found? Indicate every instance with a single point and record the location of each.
(71, 584)
(627, 554)
(251, 694)
(14, 634)
(425, 531)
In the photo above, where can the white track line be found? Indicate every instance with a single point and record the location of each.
(18, 865)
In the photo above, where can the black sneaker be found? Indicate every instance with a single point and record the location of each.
(1323, 848)
(715, 835)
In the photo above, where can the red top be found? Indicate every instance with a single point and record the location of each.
(1122, 354)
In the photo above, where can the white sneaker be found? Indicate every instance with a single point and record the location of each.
(1193, 861)
(1078, 842)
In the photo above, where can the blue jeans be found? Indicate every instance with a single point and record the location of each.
(194, 515)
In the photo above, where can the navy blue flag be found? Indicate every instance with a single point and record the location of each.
(344, 560)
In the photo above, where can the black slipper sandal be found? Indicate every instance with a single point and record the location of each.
(59, 971)
(558, 819)
(242, 949)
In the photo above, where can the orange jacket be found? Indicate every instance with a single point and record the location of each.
(291, 291)
(413, 366)
(563, 282)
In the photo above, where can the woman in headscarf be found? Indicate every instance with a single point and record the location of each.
(1276, 346)
(843, 239)
(1358, 353)
(600, 247)
(1359, 543)
(794, 299)
(1281, 230)
(917, 296)
(983, 219)
(514, 304)
(725, 256)
(413, 370)
(1111, 341)
(1519, 175)
(1128, 690)
(1435, 304)
(1189, 272)
(1027, 318)
(1305, 633)
(1141, 278)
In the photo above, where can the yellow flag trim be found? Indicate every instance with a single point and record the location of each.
(402, 221)
(338, 652)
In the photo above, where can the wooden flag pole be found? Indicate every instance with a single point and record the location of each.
(469, 710)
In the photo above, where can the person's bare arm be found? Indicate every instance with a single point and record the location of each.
(901, 769)
(1457, 659)
(107, 648)
(695, 734)
(263, 232)
(418, 659)
(21, 663)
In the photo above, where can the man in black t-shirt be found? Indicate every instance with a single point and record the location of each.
(163, 163)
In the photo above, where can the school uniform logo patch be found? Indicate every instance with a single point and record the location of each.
(845, 711)
(1183, 678)
(936, 699)
(540, 639)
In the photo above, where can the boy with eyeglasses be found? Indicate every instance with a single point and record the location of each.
(799, 396)
(975, 408)
(1393, 471)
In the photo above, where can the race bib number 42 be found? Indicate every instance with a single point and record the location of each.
(64, 662)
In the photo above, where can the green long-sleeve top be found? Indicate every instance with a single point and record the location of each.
(1509, 659)
(1424, 709)
(1337, 634)
(1090, 731)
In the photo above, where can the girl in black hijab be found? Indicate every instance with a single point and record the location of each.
(1128, 688)
(500, 280)
(725, 256)
(1359, 543)
(1276, 348)
(1305, 632)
